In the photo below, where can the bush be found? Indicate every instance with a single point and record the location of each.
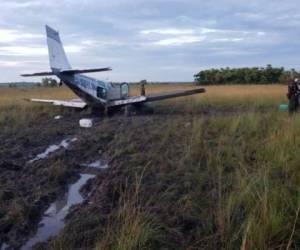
(49, 82)
(255, 75)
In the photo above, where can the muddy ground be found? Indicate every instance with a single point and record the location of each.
(28, 188)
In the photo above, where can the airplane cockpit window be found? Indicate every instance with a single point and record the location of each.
(101, 93)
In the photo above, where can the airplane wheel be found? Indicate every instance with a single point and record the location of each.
(129, 110)
(139, 110)
(147, 110)
(112, 111)
(95, 111)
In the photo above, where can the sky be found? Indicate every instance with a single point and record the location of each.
(157, 40)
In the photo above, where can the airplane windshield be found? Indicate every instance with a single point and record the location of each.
(104, 84)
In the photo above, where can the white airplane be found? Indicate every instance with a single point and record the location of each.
(99, 95)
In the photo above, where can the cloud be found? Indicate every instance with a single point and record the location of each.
(11, 35)
(250, 16)
(34, 51)
(22, 51)
(209, 31)
(178, 41)
(9, 63)
(221, 51)
(177, 37)
(168, 31)
(101, 42)
(17, 63)
(287, 17)
(19, 5)
(149, 35)
(74, 48)
(228, 40)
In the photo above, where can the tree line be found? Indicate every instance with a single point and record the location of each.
(48, 82)
(254, 75)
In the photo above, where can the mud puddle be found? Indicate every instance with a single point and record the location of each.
(52, 148)
(4, 246)
(98, 164)
(53, 219)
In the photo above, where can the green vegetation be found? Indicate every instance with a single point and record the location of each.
(255, 75)
(225, 183)
(16, 113)
(49, 82)
(45, 82)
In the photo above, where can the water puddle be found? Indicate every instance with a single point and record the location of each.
(99, 164)
(53, 220)
(4, 246)
(52, 148)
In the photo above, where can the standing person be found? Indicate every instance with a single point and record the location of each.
(143, 91)
(293, 95)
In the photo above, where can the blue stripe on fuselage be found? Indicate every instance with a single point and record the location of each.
(86, 85)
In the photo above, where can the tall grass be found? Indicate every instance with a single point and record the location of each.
(253, 164)
(17, 112)
(229, 180)
(134, 227)
(221, 183)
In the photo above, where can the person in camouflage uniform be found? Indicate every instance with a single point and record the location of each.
(293, 95)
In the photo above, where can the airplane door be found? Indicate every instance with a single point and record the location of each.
(124, 90)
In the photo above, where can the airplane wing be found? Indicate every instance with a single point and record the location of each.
(75, 103)
(173, 94)
(130, 100)
(156, 97)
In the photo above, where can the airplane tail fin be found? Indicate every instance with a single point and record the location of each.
(57, 56)
(58, 60)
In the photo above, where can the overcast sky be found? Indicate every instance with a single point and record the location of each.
(157, 40)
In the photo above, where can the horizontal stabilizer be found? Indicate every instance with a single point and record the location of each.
(79, 71)
(39, 74)
(68, 71)
(76, 103)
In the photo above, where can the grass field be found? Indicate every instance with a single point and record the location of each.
(11, 96)
(214, 171)
(13, 100)
(15, 110)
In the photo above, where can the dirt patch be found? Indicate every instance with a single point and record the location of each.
(27, 188)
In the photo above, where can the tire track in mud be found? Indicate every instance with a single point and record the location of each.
(28, 188)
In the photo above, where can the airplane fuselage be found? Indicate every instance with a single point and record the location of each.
(86, 88)
(96, 93)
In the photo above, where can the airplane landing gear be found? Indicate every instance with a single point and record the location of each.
(141, 109)
(97, 111)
